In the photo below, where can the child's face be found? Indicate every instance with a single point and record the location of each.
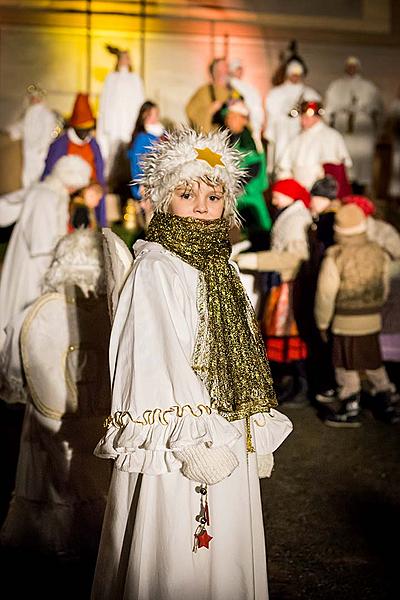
(319, 204)
(280, 200)
(198, 200)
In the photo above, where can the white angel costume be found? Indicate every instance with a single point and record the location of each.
(119, 104)
(160, 405)
(188, 446)
(56, 352)
(43, 220)
(37, 129)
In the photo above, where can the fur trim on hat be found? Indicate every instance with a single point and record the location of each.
(293, 189)
(78, 260)
(73, 171)
(175, 161)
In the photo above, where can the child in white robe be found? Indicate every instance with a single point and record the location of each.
(193, 423)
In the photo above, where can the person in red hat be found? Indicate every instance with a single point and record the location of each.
(79, 139)
(316, 151)
(289, 248)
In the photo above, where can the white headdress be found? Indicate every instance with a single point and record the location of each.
(72, 171)
(294, 67)
(185, 155)
(77, 260)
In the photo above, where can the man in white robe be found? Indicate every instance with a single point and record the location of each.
(354, 107)
(42, 222)
(252, 99)
(281, 109)
(37, 128)
(120, 101)
(315, 151)
(394, 134)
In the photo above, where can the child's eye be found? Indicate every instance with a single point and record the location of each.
(214, 198)
(186, 195)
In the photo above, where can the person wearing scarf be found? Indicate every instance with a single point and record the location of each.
(193, 423)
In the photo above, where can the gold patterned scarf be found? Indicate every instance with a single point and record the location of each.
(229, 353)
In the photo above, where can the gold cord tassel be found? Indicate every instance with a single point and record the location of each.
(249, 441)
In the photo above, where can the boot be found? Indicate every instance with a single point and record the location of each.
(348, 415)
(383, 407)
(300, 396)
(284, 388)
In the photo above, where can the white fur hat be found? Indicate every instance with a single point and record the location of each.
(73, 171)
(185, 155)
(77, 260)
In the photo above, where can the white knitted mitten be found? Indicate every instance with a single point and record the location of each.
(265, 464)
(207, 465)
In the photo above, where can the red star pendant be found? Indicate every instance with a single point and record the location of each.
(204, 539)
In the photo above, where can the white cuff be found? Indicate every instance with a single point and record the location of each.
(207, 464)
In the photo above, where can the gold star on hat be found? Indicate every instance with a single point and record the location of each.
(212, 158)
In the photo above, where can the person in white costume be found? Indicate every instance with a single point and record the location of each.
(119, 103)
(56, 355)
(393, 126)
(354, 107)
(252, 99)
(37, 129)
(316, 146)
(193, 423)
(281, 109)
(43, 220)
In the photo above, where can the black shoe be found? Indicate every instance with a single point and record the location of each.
(383, 407)
(348, 415)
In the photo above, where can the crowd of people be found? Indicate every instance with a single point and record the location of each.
(260, 275)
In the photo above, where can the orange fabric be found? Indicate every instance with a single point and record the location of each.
(82, 115)
(278, 318)
(85, 152)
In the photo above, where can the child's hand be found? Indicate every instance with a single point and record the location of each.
(92, 195)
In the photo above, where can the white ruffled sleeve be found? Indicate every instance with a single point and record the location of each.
(268, 431)
(159, 404)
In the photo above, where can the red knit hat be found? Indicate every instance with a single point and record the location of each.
(293, 189)
(82, 115)
(366, 205)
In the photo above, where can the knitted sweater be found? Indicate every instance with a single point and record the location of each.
(352, 287)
